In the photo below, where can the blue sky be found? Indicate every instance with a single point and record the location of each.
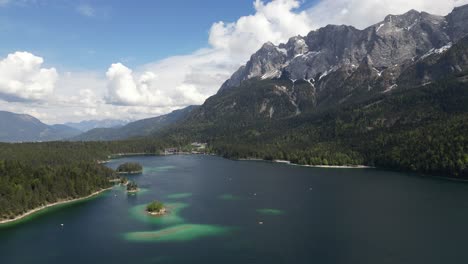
(92, 34)
(73, 60)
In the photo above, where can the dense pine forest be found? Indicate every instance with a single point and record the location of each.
(36, 174)
(419, 129)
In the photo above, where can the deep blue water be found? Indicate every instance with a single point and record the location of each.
(318, 216)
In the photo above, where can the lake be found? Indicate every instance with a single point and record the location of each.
(224, 211)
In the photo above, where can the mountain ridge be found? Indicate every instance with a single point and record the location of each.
(87, 125)
(25, 128)
(393, 95)
(385, 45)
(137, 128)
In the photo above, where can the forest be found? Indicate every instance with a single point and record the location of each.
(130, 168)
(422, 130)
(37, 174)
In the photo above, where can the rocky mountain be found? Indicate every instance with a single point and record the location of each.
(339, 62)
(393, 95)
(135, 129)
(87, 125)
(22, 128)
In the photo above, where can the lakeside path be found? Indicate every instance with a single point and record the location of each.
(38, 209)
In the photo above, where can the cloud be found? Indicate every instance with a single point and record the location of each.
(86, 10)
(182, 80)
(190, 79)
(126, 89)
(162, 86)
(22, 78)
(275, 21)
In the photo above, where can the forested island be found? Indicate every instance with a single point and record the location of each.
(132, 187)
(156, 208)
(123, 181)
(130, 168)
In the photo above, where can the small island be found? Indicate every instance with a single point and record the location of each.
(132, 187)
(123, 181)
(156, 208)
(130, 168)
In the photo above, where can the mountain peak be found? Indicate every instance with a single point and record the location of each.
(397, 40)
(23, 127)
(268, 45)
(405, 18)
(461, 8)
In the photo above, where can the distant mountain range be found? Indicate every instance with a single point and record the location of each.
(138, 128)
(87, 125)
(25, 128)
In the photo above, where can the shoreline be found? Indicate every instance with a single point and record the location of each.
(334, 166)
(134, 191)
(38, 209)
(287, 162)
(129, 172)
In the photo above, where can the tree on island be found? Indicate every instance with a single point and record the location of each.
(132, 187)
(130, 167)
(155, 207)
(123, 180)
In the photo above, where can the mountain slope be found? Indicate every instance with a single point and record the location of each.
(87, 125)
(420, 129)
(337, 60)
(20, 128)
(135, 129)
(338, 65)
(394, 95)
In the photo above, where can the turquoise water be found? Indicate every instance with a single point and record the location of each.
(223, 211)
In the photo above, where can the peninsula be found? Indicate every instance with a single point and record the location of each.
(130, 168)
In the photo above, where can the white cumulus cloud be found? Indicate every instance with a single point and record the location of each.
(275, 21)
(126, 88)
(22, 78)
(190, 79)
(178, 81)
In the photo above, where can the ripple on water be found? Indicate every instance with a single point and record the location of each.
(179, 233)
(179, 195)
(171, 218)
(270, 211)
